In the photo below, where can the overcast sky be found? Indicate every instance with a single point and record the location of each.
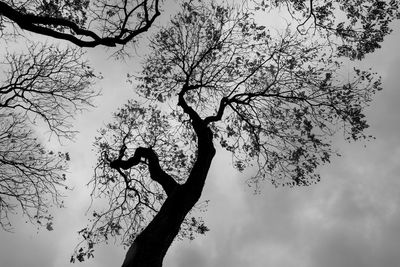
(350, 219)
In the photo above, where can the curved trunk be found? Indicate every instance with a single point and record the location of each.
(151, 245)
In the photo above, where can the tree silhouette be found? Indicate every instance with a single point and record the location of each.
(47, 84)
(274, 100)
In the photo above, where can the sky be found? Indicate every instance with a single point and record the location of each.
(350, 219)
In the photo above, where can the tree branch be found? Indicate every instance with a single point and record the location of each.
(37, 24)
(156, 172)
(197, 122)
(224, 102)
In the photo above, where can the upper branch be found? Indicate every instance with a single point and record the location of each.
(311, 14)
(224, 102)
(46, 25)
(197, 122)
(156, 172)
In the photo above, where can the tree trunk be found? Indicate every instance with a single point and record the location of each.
(151, 245)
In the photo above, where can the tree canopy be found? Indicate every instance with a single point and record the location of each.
(274, 99)
(360, 26)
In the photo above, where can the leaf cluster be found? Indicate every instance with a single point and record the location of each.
(355, 27)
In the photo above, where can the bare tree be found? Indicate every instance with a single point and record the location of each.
(272, 99)
(30, 176)
(84, 23)
(50, 82)
(50, 85)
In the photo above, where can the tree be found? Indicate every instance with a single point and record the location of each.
(214, 74)
(49, 85)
